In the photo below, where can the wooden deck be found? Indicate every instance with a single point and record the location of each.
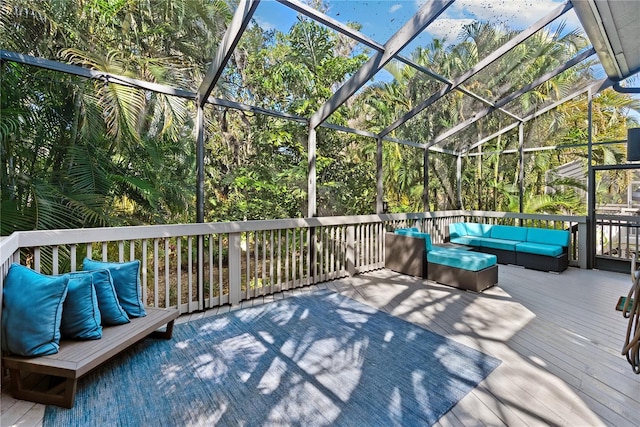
(558, 336)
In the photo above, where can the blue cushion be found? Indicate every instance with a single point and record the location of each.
(504, 244)
(32, 311)
(466, 240)
(80, 313)
(404, 231)
(111, 311)
(548, 236)
(478, 230)
(465, 260)
(509, 232)
(411, 233)
(457, 229)
(539, 249)
(126, 280)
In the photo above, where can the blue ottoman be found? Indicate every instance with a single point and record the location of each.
(473, 271)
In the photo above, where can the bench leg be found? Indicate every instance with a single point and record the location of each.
(62, 394)
(166, 334)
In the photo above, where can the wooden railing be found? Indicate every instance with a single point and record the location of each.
(617, 237)
(199, 266)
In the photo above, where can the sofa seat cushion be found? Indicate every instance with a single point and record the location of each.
(465, 260)
(504, 244)
(548, 236)
(509, 232)
(539, 249)
(467, 241)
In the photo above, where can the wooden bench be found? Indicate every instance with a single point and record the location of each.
(53, 379)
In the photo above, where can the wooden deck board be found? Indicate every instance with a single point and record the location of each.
(558, 336)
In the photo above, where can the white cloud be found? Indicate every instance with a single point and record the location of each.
(515, 14)
(518, 14)
(447, 28)
(265, 25)
(396, 7)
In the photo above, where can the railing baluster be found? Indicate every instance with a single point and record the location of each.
(271, 263)
(179, 272)
(55, 260)
(72, 257)
(211, 260)
(248, 290)
(167, 271)
(200, 278)
(144, 272)
(156, 302)
(121, 251)
(279, 261)
(190, 271)
(301, 282)
(36, 259)
(220, 277)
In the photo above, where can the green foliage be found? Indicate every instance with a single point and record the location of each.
(80, 153)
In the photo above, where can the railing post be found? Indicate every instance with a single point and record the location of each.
(351, 250)
(200, 277)
(235, 268)
(583, 246)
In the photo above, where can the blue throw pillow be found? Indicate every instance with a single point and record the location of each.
(126, 280)
(111, 311)
(32, 311)
(80, 313)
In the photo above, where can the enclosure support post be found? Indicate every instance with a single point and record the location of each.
(199, 162)
(312, 209)
(425, 179)
(583, 232)
(379, 177)
(591, 189)
(199, 195)
(521, 171)
(311, 178)
(459, 180)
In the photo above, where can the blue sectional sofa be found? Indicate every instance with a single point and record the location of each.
(534, 248)
(409, 251)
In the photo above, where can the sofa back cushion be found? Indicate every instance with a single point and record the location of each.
(411, 233)
(404, 231)
(478, 230)
(509, 232)
(457, 229)
(548, 236)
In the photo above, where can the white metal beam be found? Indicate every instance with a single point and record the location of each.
(236, 28)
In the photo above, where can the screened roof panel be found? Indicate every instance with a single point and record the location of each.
(435, 119)
(173, 43)
(543, 52)
(461, 29)
(293, 68)
(566, 84)
(472, 134)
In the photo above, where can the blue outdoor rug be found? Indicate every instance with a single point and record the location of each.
(312, 360)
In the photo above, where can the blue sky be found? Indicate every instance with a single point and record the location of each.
(380, 19)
